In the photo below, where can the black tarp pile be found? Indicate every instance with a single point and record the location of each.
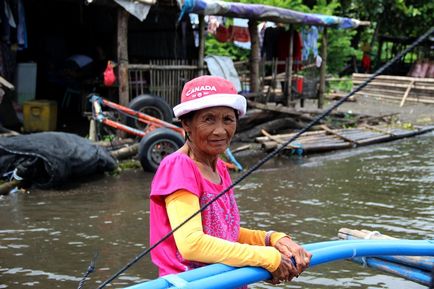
(50, 159)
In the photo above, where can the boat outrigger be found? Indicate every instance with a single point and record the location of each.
(219, 276)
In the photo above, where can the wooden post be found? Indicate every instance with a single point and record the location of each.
(122, 35)
(254, 56)
(290, 64)
(202, 37)
(323, 69)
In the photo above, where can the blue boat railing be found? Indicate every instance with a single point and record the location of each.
(219, 276)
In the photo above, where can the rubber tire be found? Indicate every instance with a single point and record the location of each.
(152, 105)
(150, 155)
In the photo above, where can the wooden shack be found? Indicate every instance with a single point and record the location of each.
(155, 54)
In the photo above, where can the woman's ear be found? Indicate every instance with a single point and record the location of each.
(185, 123)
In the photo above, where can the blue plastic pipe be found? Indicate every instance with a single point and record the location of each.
(216, 276)
(410, 273)
(425, 264)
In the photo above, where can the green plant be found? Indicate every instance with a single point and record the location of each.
(214, 47)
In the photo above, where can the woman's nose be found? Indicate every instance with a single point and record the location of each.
(220, 129)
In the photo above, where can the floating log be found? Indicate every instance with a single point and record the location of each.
(8, 186)
(415, 268)
(125, 152)
(254, 117)
(280, 108)
(116, 143)
(273, 126)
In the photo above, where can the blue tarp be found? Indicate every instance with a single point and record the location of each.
(266, 13)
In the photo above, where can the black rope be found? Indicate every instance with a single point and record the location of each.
(271, 155)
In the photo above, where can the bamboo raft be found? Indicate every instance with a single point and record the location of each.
(415, 268)
(328, 140)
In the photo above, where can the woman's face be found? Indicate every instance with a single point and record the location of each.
(211, 129)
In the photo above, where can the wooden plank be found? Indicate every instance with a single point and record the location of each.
(392, 77)
(397, 85)
(397, 98)
(378, 129)
(279, 141)
(327, 129)
(410, 85)
(398, 92)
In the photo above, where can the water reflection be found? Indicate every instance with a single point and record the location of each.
(48, 238)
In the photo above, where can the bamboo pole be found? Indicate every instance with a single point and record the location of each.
(254, 56)
(92, 130)
(323, 70)
(202, 37)
(406, 93)
(290, 97)
(122, 51)
(277, 140)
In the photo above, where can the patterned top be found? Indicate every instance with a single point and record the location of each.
(221, 219)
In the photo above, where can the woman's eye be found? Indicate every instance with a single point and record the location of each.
(228, 119)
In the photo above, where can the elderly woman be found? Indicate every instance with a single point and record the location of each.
(192, 176)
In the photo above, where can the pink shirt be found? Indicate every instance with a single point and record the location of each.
(221, 219)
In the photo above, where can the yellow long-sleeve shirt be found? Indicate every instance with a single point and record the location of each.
(195, 245)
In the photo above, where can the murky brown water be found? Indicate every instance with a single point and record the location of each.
(47, 238)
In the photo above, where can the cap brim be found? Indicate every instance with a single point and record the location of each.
(235, 101)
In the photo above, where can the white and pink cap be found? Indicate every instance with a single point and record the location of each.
(209, 91)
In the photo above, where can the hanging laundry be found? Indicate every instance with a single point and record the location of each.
(240, 33)
(22, 28)
(310, 42)
(213, 24)
(222, 34)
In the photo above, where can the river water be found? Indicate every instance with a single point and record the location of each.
(47, 238)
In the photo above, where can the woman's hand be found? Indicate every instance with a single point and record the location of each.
(292, 250)
(285, 272)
